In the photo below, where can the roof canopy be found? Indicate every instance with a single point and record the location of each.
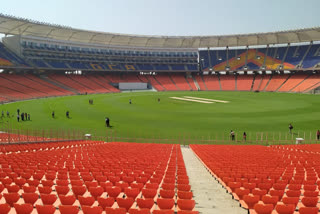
(17, 26)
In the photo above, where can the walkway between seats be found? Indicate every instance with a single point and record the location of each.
(209, 195)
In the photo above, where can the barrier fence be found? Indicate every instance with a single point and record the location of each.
(12, 135)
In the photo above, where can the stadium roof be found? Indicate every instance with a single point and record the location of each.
(10, 25)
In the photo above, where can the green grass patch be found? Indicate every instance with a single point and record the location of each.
(263, 116)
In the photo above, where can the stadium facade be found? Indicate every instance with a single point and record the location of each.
(38, 56)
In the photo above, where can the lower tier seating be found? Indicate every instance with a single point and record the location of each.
(112, 177)
(269, 180)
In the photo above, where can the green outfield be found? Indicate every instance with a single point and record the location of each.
(260, 115)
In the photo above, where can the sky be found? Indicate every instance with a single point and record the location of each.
(171, 17)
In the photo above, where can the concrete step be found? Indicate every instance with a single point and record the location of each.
(210, 196)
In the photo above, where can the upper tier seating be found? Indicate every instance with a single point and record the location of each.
(272, 58)
(313, 57)
(8, 58)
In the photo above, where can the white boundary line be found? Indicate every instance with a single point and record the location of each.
(192, 100)
(199, 98)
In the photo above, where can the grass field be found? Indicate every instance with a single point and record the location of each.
(254, 113)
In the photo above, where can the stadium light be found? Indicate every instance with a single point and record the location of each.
(239, 57)
(1, 70)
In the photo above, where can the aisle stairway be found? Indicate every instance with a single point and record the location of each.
(208, 193)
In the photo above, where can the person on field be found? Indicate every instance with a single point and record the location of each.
(26, 116)
(18, 111)
(52, 114)
(8, 114)
(244, 136)
(22, 116)
(18, 117)
(290, 128)
(318, 134)
(158, 100)
(67, 114)
(2, 113)
(232, 135)
(107, 122)
(130, 101)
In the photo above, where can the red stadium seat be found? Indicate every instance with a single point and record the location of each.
(45, 209)
(11, 198)
(184, 187)
(91, 210)
(187, 212)
(23, 208)
(110, 210)
(165, 203)
(96, 191)
(45, 190)
(270, 199)
(12, 188)
(308, 210)
(62, 182)
(5, 208)
(113, 191)
(68, 209)
(86, 201)
(139, 211)
(167, 186)
(62, 190)
(145, 203)
(185, 195)
(285, 208)
(167, 193)
(241, 192)
(293, 193)
(29, 189)
(131, 192)
(149, 193)
(185, 204)
(105, 202)
(251, 200)
(30, 198)
(67, 200)
(163, 212)
(48, 199)
(310, 193)
(125, 203)
(263, 208)
(310, 201)
(291, 200)
(259, 192)
(79, 190)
